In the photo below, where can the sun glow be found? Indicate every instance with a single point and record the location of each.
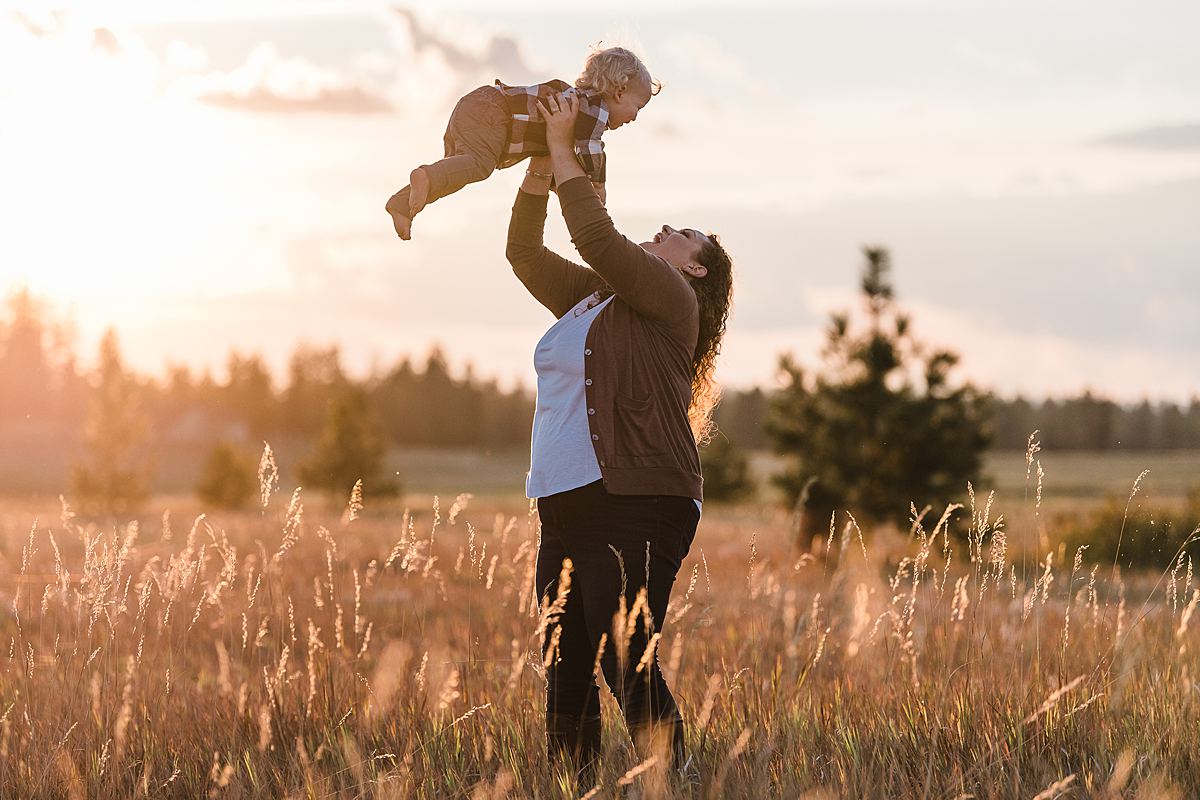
(105, 168)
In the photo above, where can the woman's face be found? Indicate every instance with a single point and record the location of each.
(679, 248)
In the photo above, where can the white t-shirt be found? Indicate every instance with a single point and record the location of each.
(561, 454)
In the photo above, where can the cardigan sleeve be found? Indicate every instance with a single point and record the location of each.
(555, 282)
(646, 282)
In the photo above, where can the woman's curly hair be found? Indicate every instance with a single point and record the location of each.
(714, 292)
(611, 69)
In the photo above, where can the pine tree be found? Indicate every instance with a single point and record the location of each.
(24, 366)
(881, 426)
(351, 447)
(249, 395)
(109, 480)
(315, 378)
(726, 471)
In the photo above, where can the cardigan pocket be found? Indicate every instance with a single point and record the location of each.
(640, 439)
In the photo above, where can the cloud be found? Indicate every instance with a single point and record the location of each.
(1183, 136)
(426, 61)
(105, 41)
(48, 23)
(186, 57)
(467, 51)
(80, 66)
(270, 82)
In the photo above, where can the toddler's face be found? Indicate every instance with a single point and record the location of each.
(624, 104)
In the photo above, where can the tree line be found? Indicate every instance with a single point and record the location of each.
(1085, 422)
(419, 401)
(878, 424)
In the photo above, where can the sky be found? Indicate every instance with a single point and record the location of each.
(208, 177)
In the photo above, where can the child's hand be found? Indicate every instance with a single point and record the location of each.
(559, 111)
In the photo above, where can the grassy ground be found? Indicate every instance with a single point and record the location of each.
(298, 652)
(1082, 478)
(1079, 479)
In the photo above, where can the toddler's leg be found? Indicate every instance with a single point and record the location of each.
(474, 142)
(418, 182)
(431, 182)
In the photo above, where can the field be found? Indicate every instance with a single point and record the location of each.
(305, 650)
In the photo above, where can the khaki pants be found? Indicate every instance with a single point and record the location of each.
(474, 141)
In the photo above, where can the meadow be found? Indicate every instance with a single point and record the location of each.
(391, 649)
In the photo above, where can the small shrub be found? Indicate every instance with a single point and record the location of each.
(1143, 537)
(229, 479)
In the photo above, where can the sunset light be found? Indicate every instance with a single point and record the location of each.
(687, 399)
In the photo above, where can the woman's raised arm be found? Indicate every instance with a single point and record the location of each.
(555, 282)
(646, 282)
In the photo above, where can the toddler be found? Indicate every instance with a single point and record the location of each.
(497, 126)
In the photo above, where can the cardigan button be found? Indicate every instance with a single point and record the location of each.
(587, 382)
(591, 411)
(595, 438)
(602, 462)
(587, 351)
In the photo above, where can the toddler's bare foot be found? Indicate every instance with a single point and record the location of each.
(402, 224)
(418, 183)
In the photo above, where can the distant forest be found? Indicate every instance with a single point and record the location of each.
(423, 401)
(1086, 422)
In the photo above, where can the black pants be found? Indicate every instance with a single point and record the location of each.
(618, 545)
(474, 142)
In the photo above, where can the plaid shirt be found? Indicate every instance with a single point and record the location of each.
(527, 131)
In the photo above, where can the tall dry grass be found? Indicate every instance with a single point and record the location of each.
(365, 653)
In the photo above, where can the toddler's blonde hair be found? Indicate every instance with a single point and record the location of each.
(611, 69)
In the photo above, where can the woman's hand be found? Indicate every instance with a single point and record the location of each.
(560, 111)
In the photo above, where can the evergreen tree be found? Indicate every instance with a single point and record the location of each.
(351, 447)
(437, 415)
(741, 416)
(315, 377)
(110, 480)
(1012, 422)
(881, 426)
(248, 395)
(726, 471)
(1193, 424)
(23, 368)
(396, 401)
(1137, 431)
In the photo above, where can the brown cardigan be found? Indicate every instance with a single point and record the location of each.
(638, 352)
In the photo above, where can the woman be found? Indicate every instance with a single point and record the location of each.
(625, 389)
